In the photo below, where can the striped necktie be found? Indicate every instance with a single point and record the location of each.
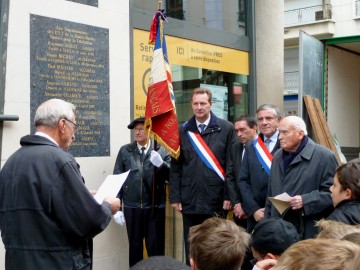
(202, 128)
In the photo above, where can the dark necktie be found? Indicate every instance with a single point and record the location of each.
(142, 154)
(202, 128)
(243, 153)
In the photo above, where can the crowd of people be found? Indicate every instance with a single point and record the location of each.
(222, 168)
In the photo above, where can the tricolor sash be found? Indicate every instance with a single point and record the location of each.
(205, 153)
(263, 154)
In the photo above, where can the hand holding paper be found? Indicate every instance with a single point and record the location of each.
(111, 186)
(114, 203)
(281, 202)
(296, 202)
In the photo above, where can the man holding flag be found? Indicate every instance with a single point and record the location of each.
(197, 177)
(143, 200)
(144, 191)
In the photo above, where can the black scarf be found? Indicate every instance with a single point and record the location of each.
(288, 157)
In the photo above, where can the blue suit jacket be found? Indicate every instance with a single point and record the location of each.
(253, 180)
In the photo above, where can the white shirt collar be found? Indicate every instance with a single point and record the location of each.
(206, 123)
(273, 138)
(146, 146)
(42, 134)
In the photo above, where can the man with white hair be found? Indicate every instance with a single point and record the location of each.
(305, 170)
(47, 215)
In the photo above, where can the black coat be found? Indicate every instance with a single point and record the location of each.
(233, 172)
(48, 217)
(347, 212)
(199, 189)
(310, 175)
(137, 189)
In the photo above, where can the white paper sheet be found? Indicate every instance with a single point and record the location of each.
(111, 186)
(283, 197)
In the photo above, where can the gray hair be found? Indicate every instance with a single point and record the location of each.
(298, 123)
(51, 111)
(277, 111)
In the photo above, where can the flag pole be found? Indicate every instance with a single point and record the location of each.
(155, 148)
(160, 114)
(153, 185)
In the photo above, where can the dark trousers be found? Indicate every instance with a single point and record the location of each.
(140, 225)
(240, 222)
(190, 220)
(251, 222)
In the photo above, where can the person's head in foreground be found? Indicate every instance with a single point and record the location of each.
(217, 244)
(346, 184)
(318, 254)
(330, 229)
(271, 237)
(354, 264)
(353, 238)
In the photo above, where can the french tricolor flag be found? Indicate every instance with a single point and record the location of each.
(160, 114)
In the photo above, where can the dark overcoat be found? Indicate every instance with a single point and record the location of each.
(47, 215)
(310, 175)
(233, 172)
(347, 212)
(199, 189)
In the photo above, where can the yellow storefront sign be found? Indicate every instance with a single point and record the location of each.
(185, 53)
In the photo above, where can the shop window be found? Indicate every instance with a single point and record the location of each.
(174, 9)
(230, 91)
(242, 12)
(228, 16)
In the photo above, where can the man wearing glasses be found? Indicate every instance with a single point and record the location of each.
(48, 217)
(143, 193)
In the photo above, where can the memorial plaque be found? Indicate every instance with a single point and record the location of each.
(93, 3)
(70, 61)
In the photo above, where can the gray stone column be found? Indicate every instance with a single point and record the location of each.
(269, 55)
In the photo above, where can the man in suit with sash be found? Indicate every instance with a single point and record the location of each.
(197, 177)
(255, 168)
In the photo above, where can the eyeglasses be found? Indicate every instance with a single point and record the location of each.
(139, 129)
(76, 127)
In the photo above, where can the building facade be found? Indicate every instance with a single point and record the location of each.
(337, 25)
(95, 54)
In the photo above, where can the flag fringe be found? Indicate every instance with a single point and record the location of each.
(156, 137)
